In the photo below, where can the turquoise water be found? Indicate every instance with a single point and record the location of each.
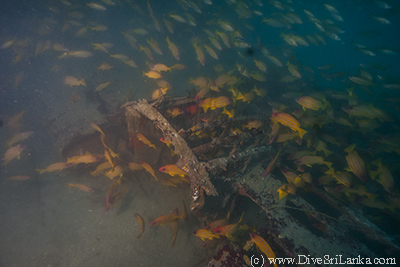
(56, 226)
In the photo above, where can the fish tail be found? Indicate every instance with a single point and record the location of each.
(40, 170)
(70, 185)
(372, 196)
(301, 132)
(326, 104)
(327, 152)
(329, 164)
(373, 174)
(377, 162)
(282, 194)
(139, 236)
(350, 148)
(330, 171)
(82, 82)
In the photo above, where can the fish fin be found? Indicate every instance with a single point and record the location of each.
(372, 196)
(301, 132)
(330, 171)
(373, 174)
(350, 148)
(329, 164)
(377, 162)
(40, 170)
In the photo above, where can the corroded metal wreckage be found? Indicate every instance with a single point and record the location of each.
(199, 179)
(238, 161)
(283, 226)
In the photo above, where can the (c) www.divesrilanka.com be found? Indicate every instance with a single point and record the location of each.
(327, 260)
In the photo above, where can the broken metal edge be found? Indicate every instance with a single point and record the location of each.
(199, 178)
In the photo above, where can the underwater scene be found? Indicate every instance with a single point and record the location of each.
(193, 133)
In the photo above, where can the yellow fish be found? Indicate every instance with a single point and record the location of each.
(174, 50)
(153, 74)
(148, 168)
(287, 120)
(214, 103)
(12, 153)
(142, 138)
(72, 81)
(200, 54)
(81, 187)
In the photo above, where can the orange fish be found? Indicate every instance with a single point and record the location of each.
(18, 178)
(173, 170)
(18, 138)
(72, 81)
(100, 168)
(134, 142)
(135, 166)
(147, 51)
(113, 199)
(356, 164)
(214, 103)
(205, 234)
(230, 113)
(148, 168)
(142, 138)
(184, 212)
(263, 246)
(110, 193)
(202, 93)
(109, 158)
(168, 143)
(287, 120)
(117, 171)
(229, 229)
(218, 223)
(162, 220)
(141, 223)
(97, 128)
(153, 74)
(385, 177)
(87, 158)
(308, 102)
(200, 54)
(310, 160)
(173, 48)
(271, 165)
(341, 177)
(246, 97)
(290, 176)
(12, 153)
(174, 112)
(275, 128)
(15, 121)
(55, 167)
(81, 187)
(175, 225)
